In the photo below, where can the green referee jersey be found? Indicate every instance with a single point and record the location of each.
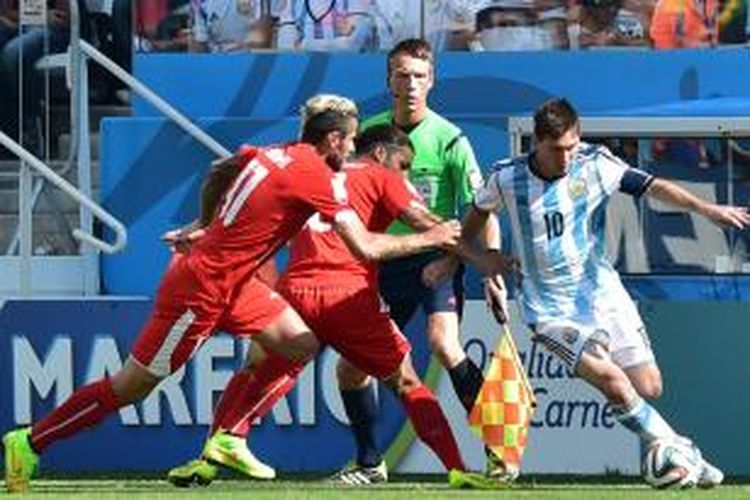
(444, 169)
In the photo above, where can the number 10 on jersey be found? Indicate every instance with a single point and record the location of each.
(554, 223)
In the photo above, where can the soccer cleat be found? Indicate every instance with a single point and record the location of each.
(231, 451)
(710, 476)
(497, 470)
(458, 479)
(20, 460)
(358, 475)
(197, 472)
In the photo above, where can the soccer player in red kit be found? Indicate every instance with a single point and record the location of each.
(269, 193)
(337, 296)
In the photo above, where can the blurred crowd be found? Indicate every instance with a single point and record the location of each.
(476, 25)
(31, 29)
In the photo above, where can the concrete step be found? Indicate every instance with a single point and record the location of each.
(50, 201)
(63, 145)
(59, 115)
(51, 235)
(9, 174)
(59, 126)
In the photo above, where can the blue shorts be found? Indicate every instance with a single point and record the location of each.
(402, 288)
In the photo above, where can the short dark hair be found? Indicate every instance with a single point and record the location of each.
(554, 118)
(414, 47)
(384, 135)
(319, 125)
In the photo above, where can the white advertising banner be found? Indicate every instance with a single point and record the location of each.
(573, 429)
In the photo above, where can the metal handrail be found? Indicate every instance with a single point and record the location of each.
(167, 109)
(73, 192)
(78, 52)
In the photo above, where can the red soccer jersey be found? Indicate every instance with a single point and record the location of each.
(318, 256)
(275, 193)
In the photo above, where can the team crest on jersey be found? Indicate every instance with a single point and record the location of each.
(601, 336)
(577, 187)
(425, 188)
(570, 335)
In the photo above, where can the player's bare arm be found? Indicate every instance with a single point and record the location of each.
(722, 215)
(488, 231)
(419, 217)
(485, 226)
(488, 263)
(474, 223)
(373, 246)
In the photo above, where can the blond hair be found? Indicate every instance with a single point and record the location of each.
(326, 102)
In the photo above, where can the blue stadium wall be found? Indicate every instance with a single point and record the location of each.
(151, 173)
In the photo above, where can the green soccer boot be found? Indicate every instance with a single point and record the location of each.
(20, 460)
(231, 451)
(458, 479)
(198, 472)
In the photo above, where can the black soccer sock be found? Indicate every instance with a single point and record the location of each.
(362, 409)
(467, 380)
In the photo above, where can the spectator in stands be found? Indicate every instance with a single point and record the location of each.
(23, 44)
(689, 24)
(396, 21)
(328, 25)
(8, 30)
(613, 23)
(739, 149)
(521, 25)
(231, 25)
(449, 24)
(162, 25)
(112, 34)
(682, 151)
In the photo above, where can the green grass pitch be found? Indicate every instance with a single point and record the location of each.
(401, 488)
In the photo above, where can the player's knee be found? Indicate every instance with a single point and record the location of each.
(350, 377)
(646, 378)
(651, 388)
(402, 385)
(300, 348)
(255, 356)
(404, 380)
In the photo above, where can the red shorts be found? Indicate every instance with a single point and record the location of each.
(187, 311)
(355, 322)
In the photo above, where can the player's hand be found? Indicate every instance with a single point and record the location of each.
(445, 235)
(180, 240)
(728, 215)
(437, 271)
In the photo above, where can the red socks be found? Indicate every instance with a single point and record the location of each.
(432, 427)
(252, 393)
(88, 406)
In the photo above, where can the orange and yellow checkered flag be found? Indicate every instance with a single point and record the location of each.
(502, 412)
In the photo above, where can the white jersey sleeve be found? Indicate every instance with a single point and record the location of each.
(610, 167)
(489, 198)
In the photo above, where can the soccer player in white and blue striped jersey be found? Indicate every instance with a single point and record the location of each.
(573, 299)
